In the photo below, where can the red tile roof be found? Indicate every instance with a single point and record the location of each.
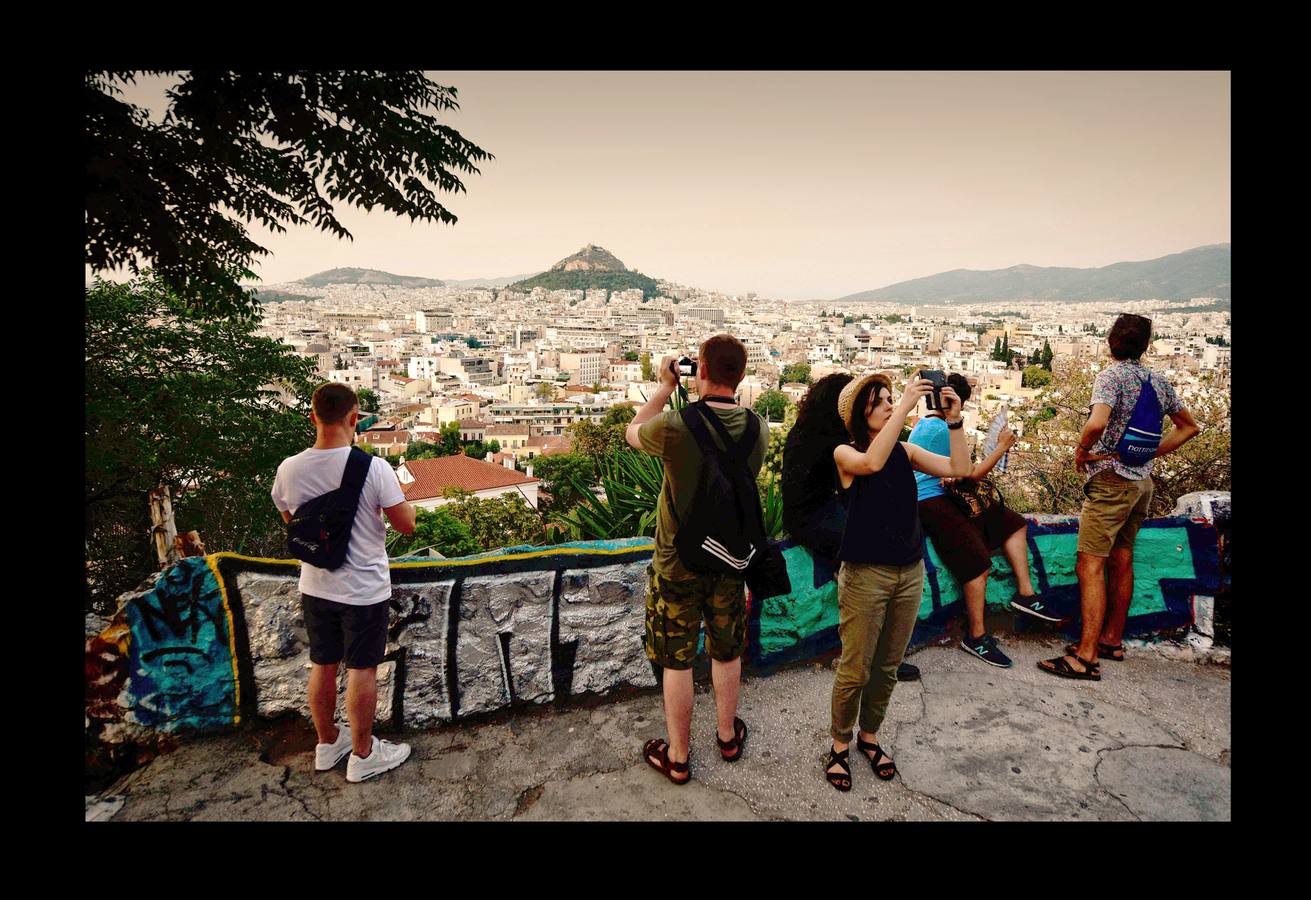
(377, 438)
(433, 476)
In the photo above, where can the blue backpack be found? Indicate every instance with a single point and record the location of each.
(1142, 436)
(319, 532)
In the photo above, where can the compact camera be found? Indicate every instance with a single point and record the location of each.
(686, 367)
(938, 379)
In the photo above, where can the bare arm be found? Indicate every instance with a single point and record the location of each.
(1092, 430)
(402, 516)
(667, 379)
(958, 464)
(852, 462)
(1004, 443)
(1185, 429)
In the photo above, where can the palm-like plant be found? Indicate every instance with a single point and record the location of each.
(771, 506)
(631, 483)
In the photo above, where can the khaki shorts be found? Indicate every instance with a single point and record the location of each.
(674, 610)
(1113, 512)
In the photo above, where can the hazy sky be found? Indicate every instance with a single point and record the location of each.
(807, 185)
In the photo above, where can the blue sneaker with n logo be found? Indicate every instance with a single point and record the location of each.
(985, 648)
(1036, 606)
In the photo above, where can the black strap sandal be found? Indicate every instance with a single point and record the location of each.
(660, 748)
(731, 751)
(1104, 651)
(1058, 666)
(840, 780)
(888, 770)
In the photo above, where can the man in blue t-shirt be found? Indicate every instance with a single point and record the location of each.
(965, 545)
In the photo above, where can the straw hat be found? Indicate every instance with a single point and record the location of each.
(848, 395)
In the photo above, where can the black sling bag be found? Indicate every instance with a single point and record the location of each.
(319, 532)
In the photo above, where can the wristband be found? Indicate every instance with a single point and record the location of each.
(959, 423)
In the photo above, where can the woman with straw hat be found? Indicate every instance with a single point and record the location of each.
(882, 574)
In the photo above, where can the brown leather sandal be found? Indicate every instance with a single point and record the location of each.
(660, 748)
(731, 751)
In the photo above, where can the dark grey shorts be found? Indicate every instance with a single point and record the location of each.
(341, 631)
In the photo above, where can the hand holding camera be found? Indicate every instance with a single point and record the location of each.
(949, 403)
(915, 390)
(667, 373)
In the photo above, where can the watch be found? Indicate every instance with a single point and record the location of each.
(959, 423)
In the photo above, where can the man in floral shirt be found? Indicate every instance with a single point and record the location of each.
(1119, 495)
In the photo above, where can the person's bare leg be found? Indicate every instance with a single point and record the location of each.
(1092, 602)
(361, 703)
(1016, 550)
(678, 714)
(323, 701)
(1120, 567)
(727, 678)
(976, 593)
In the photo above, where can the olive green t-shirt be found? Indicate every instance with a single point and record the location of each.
(667, 436)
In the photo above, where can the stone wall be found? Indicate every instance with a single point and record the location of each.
(217, 638)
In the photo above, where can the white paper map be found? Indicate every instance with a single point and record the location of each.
(994, 435)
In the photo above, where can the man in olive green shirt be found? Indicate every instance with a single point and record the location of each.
(677, 599)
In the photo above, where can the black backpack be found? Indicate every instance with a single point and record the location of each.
(724, 529)
(319, 532)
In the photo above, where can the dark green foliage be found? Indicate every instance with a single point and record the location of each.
(270, 147)
(796, 372)
(175, 398)
(583, 279)
(561, 475)
(772, 405)
(368, 400)
(1047, 355)
(438, 529)
(1035, 376)
(630, 356)
(619, 415)
(473, 343)
(631, 483)
(495, 522)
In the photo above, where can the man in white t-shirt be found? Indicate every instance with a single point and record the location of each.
(346, 609)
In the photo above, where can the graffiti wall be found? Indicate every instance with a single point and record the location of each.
(220, 637)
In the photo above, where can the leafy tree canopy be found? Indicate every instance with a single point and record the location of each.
(772, 405)
(196, 403)
(438, 529)
(796, 372)
(274, 147)
(368, 400)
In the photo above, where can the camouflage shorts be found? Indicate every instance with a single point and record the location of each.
(674, 610)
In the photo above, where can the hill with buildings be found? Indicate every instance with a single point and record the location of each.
(1200, 272)
(591, 267)
(368, 276)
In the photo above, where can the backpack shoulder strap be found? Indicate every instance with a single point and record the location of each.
(741, 448)
(357, 470)
(692, 418)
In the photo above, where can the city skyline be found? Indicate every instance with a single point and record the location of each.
(805, 185)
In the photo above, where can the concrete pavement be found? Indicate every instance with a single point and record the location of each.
(972, 742)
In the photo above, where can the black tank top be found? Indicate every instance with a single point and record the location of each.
(883, 522)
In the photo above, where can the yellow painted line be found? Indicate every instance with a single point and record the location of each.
(212, 562)
(447, 563)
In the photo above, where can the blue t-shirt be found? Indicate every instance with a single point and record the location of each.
(933, 436)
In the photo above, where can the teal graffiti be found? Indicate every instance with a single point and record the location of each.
(180, 657)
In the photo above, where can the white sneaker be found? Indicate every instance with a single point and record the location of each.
(326, 756)
(384, 757)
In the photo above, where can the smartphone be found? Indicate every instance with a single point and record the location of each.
(938, 379)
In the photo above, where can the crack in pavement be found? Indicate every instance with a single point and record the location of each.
(964, 812)
(1101, 759)
(286, 774)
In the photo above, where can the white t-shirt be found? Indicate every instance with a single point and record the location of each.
(363, 579)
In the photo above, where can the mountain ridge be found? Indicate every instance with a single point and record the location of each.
(1199, 272)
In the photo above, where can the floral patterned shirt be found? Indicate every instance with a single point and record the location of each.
(1118, 386)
